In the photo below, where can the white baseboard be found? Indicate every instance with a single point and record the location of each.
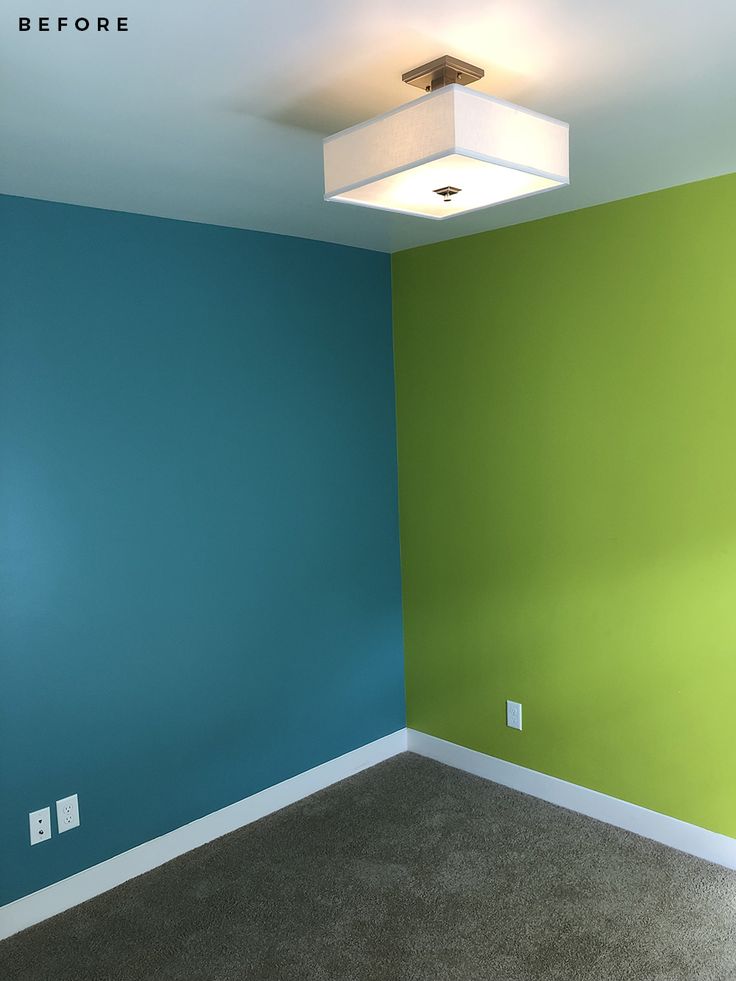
(91, 882)
(670, 831)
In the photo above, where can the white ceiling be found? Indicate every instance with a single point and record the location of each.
(215, 111)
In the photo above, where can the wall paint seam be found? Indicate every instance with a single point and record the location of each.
(398, 485)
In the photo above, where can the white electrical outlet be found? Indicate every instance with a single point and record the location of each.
(513, 715)
(39, 823)
(67, 813)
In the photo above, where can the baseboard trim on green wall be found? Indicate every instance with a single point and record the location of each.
(670, 831)
(100, 878)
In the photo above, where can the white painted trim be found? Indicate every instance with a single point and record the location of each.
(91, 882)
(667, 830)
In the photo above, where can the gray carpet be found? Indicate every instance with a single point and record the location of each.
(410, 871)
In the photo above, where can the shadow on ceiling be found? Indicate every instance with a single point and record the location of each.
(341, 96)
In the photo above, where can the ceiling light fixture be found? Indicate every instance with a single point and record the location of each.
(451, 151)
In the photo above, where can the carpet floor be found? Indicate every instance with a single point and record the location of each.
(410, 871)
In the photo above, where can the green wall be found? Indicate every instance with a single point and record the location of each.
(566, 396)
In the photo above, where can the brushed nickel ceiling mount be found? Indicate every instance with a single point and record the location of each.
(442, 71)
(447, 192)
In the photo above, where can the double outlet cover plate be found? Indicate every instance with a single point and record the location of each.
(67, 817)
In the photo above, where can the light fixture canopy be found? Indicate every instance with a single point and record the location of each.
(451, 151)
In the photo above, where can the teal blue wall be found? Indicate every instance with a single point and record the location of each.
(201, 590)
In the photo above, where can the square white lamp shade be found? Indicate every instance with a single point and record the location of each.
(485, 149)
